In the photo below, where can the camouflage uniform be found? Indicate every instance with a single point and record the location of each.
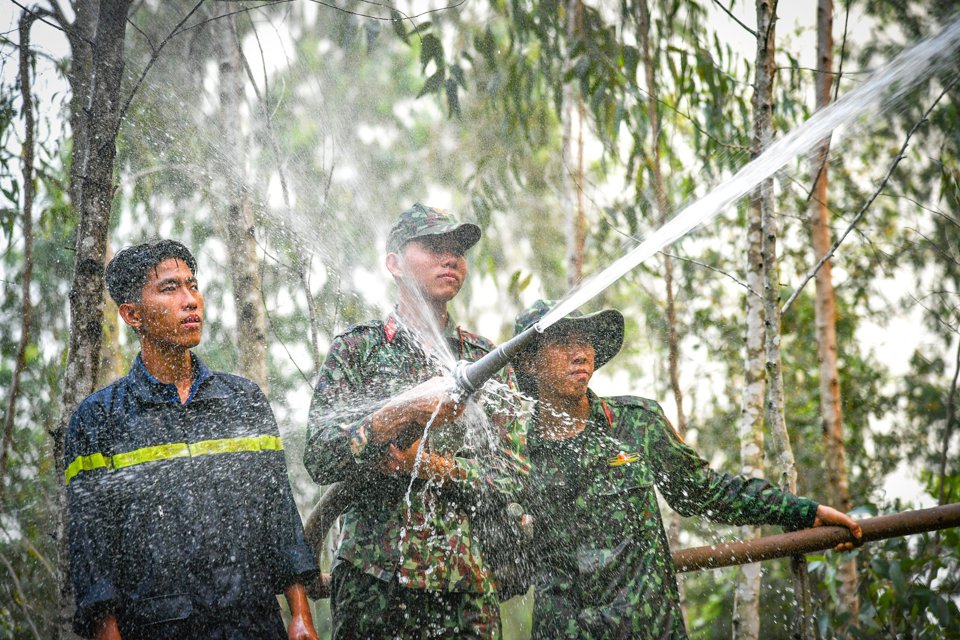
(432, 546)
(601, 561)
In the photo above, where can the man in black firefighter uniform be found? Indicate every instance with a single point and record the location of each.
(182, 522)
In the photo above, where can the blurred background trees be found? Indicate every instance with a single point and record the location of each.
(280, 139)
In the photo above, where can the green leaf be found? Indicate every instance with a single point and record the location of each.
(457, 74)
(431, 49)
(396, 20)
(432, 85)
(453, 101)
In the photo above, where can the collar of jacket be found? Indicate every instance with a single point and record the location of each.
(598, 417)
(149, 389)
(394, 324)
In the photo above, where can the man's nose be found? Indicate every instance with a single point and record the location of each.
(189, 299)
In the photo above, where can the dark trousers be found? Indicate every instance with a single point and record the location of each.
(364, 607)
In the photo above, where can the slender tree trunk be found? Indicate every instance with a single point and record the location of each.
(80, 36)
(26, 276)
(572, 179)
(746, 601)
(654, 166)
(251, 321)
(830, 408)
(93, 158)
(774, 412)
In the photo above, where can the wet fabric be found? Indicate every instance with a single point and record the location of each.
(433, 545)
(184, 511)
(365, 607)
(600, 560)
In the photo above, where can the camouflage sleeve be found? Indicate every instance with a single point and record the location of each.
(691, 487)
(339, 421)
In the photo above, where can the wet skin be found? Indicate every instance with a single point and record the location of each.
(169, 315)
(434, 264)
(563, 366)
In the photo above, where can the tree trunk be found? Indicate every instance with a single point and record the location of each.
(774, 412)
(26, 94)
(654, 166)
(251, 321)
(93, 158)
(830, 408)
(746, 601)
(572, 171)
(82, 33)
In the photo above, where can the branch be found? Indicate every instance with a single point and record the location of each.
(37, 13)
(919, 205)
(266, 4)
(23, 599)
(736, 19)
(153, 48)
(26, 96)
(153, 59)
(873, 196)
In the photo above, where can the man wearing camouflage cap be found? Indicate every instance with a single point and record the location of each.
(409, 569)
(599, 559)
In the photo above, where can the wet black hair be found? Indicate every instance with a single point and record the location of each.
(126, 274)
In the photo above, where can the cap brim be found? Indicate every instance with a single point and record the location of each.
(604, 329)
(467, 233)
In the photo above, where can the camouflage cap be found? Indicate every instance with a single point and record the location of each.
(604, 329)
(421, 220)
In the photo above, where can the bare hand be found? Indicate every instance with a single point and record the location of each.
(400, 461)
(404, 461)
(415, 409)
(830, 516)
(301, 623)
(108, 629)
(301, 629)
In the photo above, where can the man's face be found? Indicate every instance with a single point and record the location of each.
(170, 312)
(434, 264)
(562, 365)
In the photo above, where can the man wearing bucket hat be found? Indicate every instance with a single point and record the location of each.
(409, 563)
(599, 561)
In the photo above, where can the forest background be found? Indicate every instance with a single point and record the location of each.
(280, 139)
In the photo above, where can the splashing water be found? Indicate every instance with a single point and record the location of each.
(884, 87)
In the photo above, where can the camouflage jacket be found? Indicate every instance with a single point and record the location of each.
(601, 564)
(433, 543)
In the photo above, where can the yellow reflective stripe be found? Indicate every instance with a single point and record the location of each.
(151, 454)
(85, 463)
(175, 450)
(234, 445)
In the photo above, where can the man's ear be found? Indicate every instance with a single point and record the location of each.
(130, 314)
(393, 262)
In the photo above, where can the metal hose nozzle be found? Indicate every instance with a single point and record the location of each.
(470, 376)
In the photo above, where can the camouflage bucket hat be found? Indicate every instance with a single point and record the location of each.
(421, 220)
(604, 330)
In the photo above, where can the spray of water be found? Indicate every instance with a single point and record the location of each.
(887, 85)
